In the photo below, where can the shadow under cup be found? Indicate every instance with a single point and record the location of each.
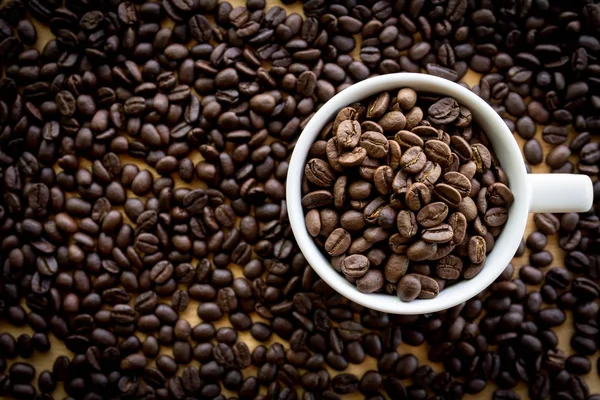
(505, 148)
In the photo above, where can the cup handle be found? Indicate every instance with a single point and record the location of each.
(559, 193)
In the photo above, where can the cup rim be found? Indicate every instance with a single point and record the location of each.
(510, 159)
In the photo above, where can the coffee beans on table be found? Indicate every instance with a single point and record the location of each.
(158, 133)
(410, 193)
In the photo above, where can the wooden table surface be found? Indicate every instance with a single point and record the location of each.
(44, 361)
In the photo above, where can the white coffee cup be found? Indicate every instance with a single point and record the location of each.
(532, 192)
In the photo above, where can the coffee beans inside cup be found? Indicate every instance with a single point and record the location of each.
(404, 193)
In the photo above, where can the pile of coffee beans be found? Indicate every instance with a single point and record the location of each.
(143, 157)
(405, 194)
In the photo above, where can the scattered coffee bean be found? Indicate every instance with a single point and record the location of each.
(72, 265)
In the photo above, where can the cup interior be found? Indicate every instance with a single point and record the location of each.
(505, 147)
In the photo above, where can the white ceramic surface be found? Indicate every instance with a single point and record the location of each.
(533, 193)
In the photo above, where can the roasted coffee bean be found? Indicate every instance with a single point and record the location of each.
(407, 222)
(348, 134)
(409, 287)
(345, 383)
(413, 160)
(444, 111)
(481, 157)
(375, 143)
(355, 266)
(554, 134)
(447, 194)
(408, 139)
(441, 233)
(477, 249)
(417, 196)
(449, 267)
(370, 282)
(547, 223)
(459, 182)
(533, 152)
(319, 172)
(437, 152)
(536, 241)
(495, 217)
(338, 242)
